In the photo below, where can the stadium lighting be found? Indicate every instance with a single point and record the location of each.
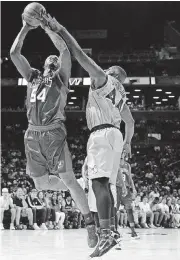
(135, 96)
(156, 97)
(129, 103)
(168, 92)
(158, 90)
(158, 103)
(71, 90)
(164, 99)
(71, 103)
(171, 96)
(127, 93)
(73, 97)
(137, 90)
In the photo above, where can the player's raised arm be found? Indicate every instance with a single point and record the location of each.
(17, 58)
(86, 62)
(64, 55)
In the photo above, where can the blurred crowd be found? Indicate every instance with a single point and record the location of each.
(35, 210)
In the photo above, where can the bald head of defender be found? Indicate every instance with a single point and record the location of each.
(52, 63)
(117, 72)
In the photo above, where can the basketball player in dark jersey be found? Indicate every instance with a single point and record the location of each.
(101, 82)
(45, 139)
(127, 200)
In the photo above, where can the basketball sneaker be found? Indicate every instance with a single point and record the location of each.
(106, 243)
(92, 236)
(117, 236)
(134, 235)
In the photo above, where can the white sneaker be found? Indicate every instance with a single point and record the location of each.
(36, 226)
(1, 226)
(12, 226)
(43, 226)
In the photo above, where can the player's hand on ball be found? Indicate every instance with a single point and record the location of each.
(127, 150)
(51, 23)
(28, 26)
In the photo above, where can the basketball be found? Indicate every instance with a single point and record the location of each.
(32, 14)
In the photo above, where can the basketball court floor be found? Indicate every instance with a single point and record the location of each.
(154, 244)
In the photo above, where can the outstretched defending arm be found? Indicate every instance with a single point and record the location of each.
(17, 58)
(64, 55)
(95, 72)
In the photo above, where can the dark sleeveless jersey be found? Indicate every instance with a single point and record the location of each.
(46, 99)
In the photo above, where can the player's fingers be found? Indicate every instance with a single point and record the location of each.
(49, 16)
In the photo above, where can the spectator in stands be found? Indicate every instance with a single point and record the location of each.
(26, 212)
(156, 210)
(39, 212)
(50, 212)
(145, 207)
(6, 207)
(138, 213)
(21, 207)
(164, 210)
(122, 216)
(154, 194)
(59, 207)
(72, 216)
(176, 212)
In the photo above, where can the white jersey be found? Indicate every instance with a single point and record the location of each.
(102, 104)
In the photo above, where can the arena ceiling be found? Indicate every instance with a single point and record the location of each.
(136, 23)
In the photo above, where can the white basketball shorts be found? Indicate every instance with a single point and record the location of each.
(104, 150)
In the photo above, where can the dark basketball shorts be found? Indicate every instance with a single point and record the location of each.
(127, 200)
(47, 152)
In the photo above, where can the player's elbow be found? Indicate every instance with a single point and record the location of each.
(13, 52)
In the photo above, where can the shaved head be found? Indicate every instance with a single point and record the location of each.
(52, 62)
(117, 72)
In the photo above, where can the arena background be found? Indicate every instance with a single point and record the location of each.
(143, 38)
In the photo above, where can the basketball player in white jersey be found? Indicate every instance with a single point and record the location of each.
(105, 103)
